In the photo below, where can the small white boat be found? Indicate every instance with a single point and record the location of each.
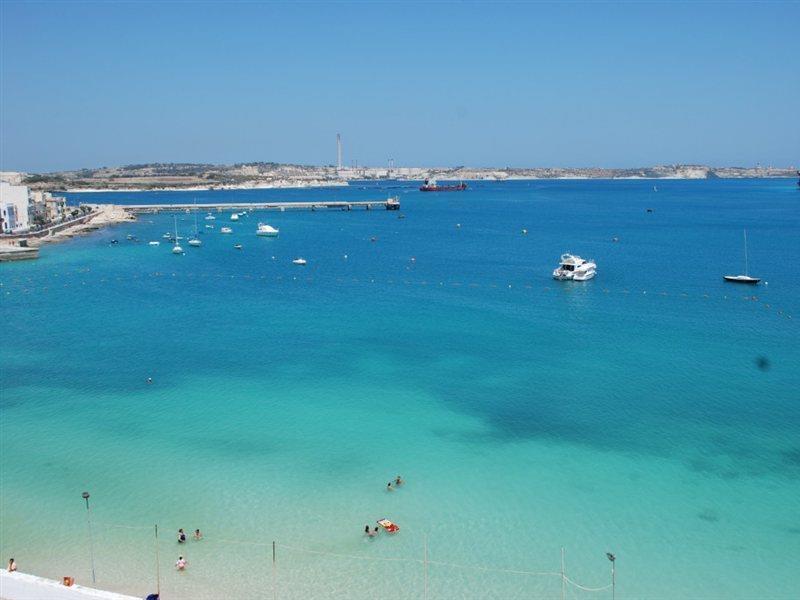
(176, 249)
(574, 268)
(743, 278)
(154, 243)
(209, 227)
(238, 246)
(195, 239)
(167, 236)
(267, 230)
(210, 217)
(299, 261)
(226, 230)
(235, 217)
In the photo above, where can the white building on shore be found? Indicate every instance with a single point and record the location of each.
(46, 209)
(13, 208)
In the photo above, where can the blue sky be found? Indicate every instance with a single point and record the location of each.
(88, 84)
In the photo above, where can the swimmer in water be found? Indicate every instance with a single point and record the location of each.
(180, 564)
(398, 480)
(389, 487)
(181, 536)
(198, 535)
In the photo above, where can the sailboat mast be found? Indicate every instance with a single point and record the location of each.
(745, 252)
(176, 230)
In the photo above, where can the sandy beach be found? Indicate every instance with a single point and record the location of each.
(21, 586)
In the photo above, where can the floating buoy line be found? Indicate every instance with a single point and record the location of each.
(83, 277)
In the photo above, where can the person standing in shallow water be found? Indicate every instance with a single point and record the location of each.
(12, 564)
(180, 564)
(181, 536)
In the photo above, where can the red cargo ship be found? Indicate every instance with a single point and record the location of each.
(429, 185)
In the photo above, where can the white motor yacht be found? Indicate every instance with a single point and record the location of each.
(235, 217)
(267, 230)
(574, 268)
(226, 230)
(210, 217)
(154, 243)
(299, 261)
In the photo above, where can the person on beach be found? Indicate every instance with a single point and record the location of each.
(12, 565)
(398, 481)
(180, 564)
(198, 535)
(181, 536)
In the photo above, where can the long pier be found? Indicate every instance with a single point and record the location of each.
(388, 204)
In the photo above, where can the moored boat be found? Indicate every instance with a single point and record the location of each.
(430, 185)
(265, 230)
(746, 277)
(574, 268)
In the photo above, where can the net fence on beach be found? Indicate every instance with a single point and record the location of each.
(275, 570)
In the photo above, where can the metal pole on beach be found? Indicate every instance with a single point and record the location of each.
(425, 564)
(158, 566)
(85, 496)
(274, 573)
(613, 560)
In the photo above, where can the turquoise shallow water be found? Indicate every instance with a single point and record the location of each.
(652, 412)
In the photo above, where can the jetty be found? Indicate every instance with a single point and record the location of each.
(9, 253)
(388, 204)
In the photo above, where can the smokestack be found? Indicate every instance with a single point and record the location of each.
(338, 151)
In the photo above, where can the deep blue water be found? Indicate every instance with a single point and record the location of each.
(652, 411)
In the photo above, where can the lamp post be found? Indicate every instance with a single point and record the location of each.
(613, 560)
(85, 496)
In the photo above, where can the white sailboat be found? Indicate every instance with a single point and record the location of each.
(176, 249)
(743, 278)
(195, 240)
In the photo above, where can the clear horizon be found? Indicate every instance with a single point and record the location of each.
(90, 84)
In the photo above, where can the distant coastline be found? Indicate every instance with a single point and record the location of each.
(268, 175)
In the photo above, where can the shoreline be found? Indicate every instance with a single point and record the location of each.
(102, 215)
(211, 188)
(348, 182)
